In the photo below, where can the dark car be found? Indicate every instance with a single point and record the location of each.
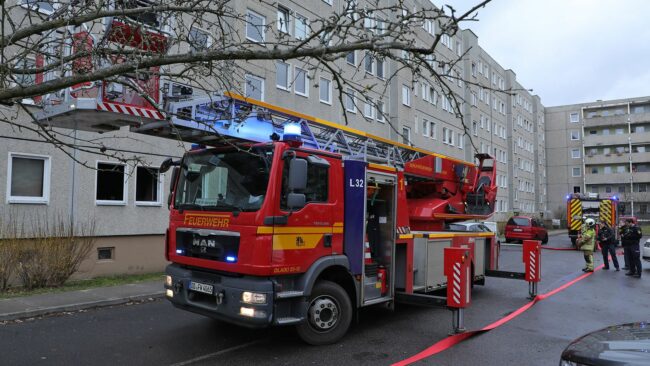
(625, 344)
(520, 228)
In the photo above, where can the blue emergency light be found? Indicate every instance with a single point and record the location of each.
(231, 258)
(614, 198)
(292, 132)
(179, 251)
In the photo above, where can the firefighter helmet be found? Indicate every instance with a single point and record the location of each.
(590, 223)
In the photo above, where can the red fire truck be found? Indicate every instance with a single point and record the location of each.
(288, 219)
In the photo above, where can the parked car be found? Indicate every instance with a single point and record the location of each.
(520, 228)
(645, 251)
(468, 226)
(625, 344)
(476, 227)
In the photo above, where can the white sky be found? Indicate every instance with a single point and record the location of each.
(568, 51)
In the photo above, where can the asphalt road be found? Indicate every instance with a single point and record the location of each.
(155, 333)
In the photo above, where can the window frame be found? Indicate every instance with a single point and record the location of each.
(351, 98)
(263, 82)
(289, 69)
(571, 135)
(263, 30)
(208, 39)
(573, 156)
(573, 169)
(329, 90)
(406, 95)
(297, 17)
(283, 10)
(125, 193)
(577, 117)
(306, 79)
(161, 180)
(47, 171)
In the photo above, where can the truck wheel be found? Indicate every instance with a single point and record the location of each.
(545, 240)
(329, 315)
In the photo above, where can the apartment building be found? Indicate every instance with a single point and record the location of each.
(600, 147)
(498, 116)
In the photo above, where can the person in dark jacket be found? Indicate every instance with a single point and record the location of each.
(607, 241)
(630, 238)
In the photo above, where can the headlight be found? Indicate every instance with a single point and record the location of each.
(567, 363)
(253, 298)
(168, 281)
(647, 244)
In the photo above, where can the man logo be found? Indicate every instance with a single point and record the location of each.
(299, 241)
(209, 243)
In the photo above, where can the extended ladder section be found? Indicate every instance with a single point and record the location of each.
(445, 188)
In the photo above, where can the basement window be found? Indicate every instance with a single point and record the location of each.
(105, 254)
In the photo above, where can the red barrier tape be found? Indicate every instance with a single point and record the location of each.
(457, 338)
(552, 248)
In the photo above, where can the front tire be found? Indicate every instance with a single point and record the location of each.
(329, 314)
(545, 240)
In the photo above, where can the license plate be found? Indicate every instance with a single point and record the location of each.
(517, 230)
(201, 287)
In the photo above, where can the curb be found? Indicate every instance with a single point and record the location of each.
(77, 307)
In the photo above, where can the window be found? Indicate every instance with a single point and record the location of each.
(621, 189)
(301, 82)
(618, 131)
(369, 109)
(406, 95)
(406, 135)
(607, 170)
(620, 169)
(594, 170)
(28, 178)
(300, 31)
(474, 128)
(45, 7)
(575, 135)
(255, 24)
(575, 153)
(283, 19)
(282, 75)
(640, 149)
(638, 129)
(111, 184)
(105, 253)
(473, 69)
(351, 58)
(608, 189)
(148, 186)
(380, 68)
(448, 136)
(317, 184)
(325, 87)
(350, 100)
(460, 140)
(641, 187)
(199, 39)
(380, 111)
(573, 117)
(369, 63)
(254, 87)
(575, 172)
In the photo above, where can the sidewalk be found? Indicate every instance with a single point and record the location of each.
(43, 304)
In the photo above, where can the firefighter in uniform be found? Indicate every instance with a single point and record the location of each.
(586, 243)
(607, 242)
(630, 237)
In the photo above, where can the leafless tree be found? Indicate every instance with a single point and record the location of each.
(52, 48)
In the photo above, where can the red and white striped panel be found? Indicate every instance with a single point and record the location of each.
(131, 110)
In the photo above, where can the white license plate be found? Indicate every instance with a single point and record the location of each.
(201, 287)
(517, 230)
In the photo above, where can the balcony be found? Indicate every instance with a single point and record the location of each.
(640, 137)
(613, 158)
(641, 157)
(613, 178)
(607, 140)
(609, 121)
(639, 117)
(641, 177)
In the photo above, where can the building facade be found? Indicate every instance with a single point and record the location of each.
(499, 116)
(600, 147)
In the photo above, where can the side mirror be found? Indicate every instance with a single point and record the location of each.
(171, 185)
(168, 163)
(297, 175)
(295, 201)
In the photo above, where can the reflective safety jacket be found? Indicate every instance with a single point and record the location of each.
(588, 239)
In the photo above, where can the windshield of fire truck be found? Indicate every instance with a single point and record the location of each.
(224, 181)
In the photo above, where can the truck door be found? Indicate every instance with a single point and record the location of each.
(315, 230)
(380, 208)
